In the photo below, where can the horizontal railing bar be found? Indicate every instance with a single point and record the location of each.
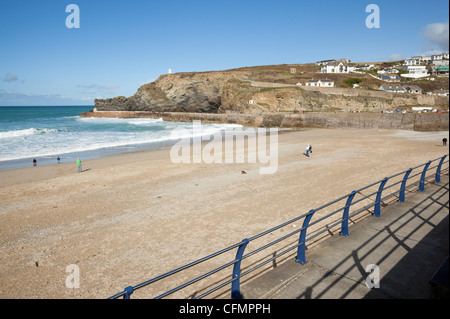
(272, 243)
(396, 183)
(120, 294)
(359, 211)
(365, 197)
(414, 175)
(270, 259)
(332, 202)
(324, 230)
(196, 279)
(326, 216)
(368, 186)
(186, 266)
(397, 174)
(390, 195)
(363, 209)
(229, 281)
(279, 226)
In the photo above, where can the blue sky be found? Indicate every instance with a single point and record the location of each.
(121, 45)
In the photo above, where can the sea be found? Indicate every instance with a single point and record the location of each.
(46, 132)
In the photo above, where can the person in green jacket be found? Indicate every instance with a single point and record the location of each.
(79, 165)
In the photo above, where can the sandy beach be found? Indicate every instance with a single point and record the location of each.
(130, 217)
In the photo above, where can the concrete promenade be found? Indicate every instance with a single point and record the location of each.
(408, 243)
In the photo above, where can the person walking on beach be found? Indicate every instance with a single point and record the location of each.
(34, 162)
(58, 159)
(444, 141)
(79, 165)
(307, 150)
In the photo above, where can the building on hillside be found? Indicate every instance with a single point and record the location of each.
(441, 92)
(366, 67)
(389, 78)
(397, 88)
(412, 61)
(336, 67)
(324, 62)
(437, 57)
(442, 69)
(392, 88)
(387, 71)
(415, 71)
(320, 83)
(413, 89)
(440, 62)
(344, 61)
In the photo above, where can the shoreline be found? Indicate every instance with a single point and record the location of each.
(130, 217)
(119, 157)
(97, 153)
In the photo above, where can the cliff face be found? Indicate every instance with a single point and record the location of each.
(182, 92)
(233, 92)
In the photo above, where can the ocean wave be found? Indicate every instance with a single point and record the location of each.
(26, 132)
(76, 141)
(117, 120)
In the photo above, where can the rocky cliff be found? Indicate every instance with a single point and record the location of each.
(234, 91)
(181, 92)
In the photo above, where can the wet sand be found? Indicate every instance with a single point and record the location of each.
(130, 217)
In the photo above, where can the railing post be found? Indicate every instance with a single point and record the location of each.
(236, 285)
(344, 225)
(422, 177)
(377, 210)
(128, 291)
(401, 196)
(301, 259)
(438, 170)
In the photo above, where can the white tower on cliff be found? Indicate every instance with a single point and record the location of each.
(170, 71)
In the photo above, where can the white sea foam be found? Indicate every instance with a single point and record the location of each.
(116, 120)
(26, 132)
(35, 143)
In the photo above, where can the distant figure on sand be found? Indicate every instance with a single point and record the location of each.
(307, 150)
(79, 165)
(34, 162)
(444, 141)
(58, 159)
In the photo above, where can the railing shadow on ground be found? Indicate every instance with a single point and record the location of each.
(266, 252)
(409, 269)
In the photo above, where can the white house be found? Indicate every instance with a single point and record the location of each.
(389, 78)
(412, 61)
(396, 88)
(446, 56)
(415, 71)
(366, 67)
(413, 89)
(387, 71)
(437, 57)
(441, 92)
(324, 62)
(320, 83)
(336, 67)
(441, 62)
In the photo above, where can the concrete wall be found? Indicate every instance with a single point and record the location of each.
(394, 121)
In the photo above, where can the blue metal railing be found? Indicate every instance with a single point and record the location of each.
(300, 245)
